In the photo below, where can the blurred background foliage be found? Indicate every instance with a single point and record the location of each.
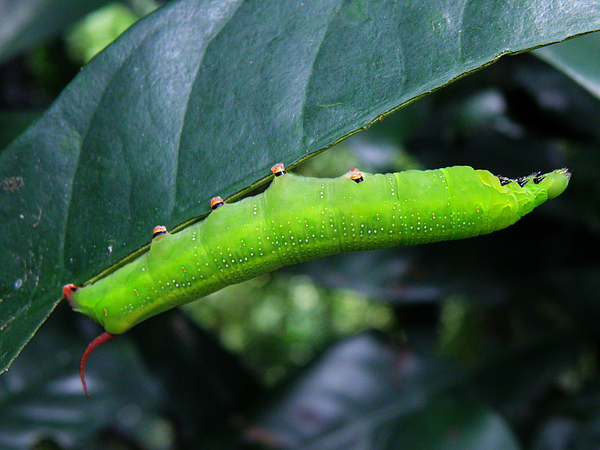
(485, 343)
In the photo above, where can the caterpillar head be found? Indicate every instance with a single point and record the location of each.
(558, 181)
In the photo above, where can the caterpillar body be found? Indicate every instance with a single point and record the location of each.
(298, 219)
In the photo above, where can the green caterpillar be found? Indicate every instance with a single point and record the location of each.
(297, 219)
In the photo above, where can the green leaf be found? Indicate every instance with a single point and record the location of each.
(24, 23)
(366, 390)
(450, 423)
(48, 402)
(98, 29)
(578, 59)
(200, 98)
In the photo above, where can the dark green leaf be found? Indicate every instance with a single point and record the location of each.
(366, 393)
(577, 59)
(49, 403)
(201, 98)
(452, 423)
